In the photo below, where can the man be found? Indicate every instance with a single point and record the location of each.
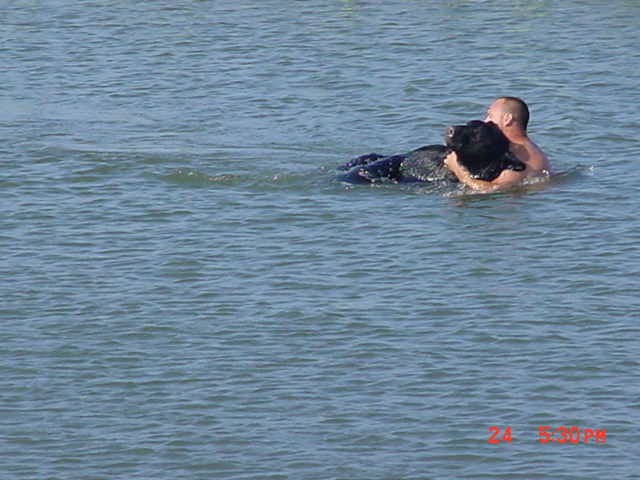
(511, 115)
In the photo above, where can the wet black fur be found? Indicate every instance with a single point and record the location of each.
(481, 148)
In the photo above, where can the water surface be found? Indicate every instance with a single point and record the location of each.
(188, 293)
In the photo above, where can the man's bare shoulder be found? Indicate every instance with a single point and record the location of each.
(535, 159)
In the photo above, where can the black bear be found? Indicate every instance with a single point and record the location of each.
(481, 148)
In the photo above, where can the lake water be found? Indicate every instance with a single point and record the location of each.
(187, 293)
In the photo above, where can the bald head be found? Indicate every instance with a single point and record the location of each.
(517, 108)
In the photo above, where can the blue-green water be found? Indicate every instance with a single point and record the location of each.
(187, 293)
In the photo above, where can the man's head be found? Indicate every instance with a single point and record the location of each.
(509, 112)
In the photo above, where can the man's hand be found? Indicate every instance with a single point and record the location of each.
(451, 162)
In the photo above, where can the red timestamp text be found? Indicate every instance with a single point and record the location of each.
(546, 434)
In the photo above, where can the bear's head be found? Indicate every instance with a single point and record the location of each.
(481, 148)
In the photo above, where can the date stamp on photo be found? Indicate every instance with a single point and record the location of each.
(547, 434)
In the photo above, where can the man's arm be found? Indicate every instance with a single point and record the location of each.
(506, 179)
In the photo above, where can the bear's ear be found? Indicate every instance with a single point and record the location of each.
(501, 141)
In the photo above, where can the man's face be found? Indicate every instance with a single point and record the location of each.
(494, 113)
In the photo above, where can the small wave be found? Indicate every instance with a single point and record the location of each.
(194, 178)
(574, 172)
(190, 177)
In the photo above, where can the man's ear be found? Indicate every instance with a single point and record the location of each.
(507, 118)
